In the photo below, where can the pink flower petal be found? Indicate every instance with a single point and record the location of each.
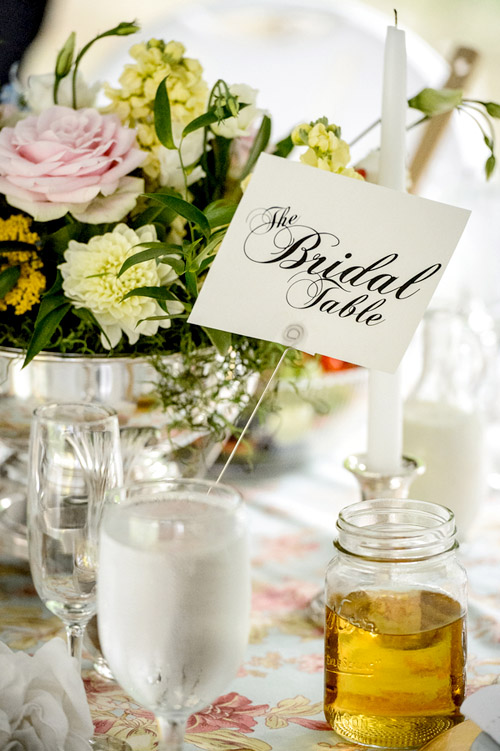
(65, 156)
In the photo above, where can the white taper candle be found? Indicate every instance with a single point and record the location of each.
(385, 400)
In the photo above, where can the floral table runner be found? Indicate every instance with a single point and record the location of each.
(275, 702)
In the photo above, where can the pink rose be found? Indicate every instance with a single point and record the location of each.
(70, 160)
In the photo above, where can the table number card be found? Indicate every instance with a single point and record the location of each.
(330, 264)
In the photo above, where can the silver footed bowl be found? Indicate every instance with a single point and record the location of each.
(150, 449)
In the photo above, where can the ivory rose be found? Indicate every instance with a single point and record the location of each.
(63, 159)
(42, 701)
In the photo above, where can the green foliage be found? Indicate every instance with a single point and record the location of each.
(284, 147)
(45, 330)
(183, 208)
(433, 102)
(64, 62)
(163, 117)
(8, 279)
(259, 145)
(162, 252)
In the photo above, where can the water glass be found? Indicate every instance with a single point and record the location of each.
(74, 458)
(173, 595)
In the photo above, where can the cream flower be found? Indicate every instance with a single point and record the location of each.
(171, 174)
(133, 101)
(326, 149)
(39, 93)
(90, 280)
(232, 127)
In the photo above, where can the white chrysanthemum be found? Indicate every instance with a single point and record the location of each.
(90, 280)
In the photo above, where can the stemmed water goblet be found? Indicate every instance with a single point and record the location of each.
(74, 458)
(173, 595)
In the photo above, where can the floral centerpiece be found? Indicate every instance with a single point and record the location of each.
(112, 213)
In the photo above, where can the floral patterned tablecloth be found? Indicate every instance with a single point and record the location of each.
(275, 702)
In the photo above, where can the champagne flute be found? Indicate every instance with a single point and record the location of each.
(173, 595)
(74, 457)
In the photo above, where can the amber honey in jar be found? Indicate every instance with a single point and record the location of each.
(395, 624)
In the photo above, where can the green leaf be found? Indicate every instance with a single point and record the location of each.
(488, 142)
(205, 264)
(490, 166)
(162, 116)
(493, 109)
(191, 283)
(156, 251)
(436, 101)
(64, 59)
(13, 246)
(200, 122)
(183, 208)
(213, 115)
(44, 331)
(219, 213)
(152, 215)
(49, 303)
(176, 263)
(204, 258)
(8, 279)
(221, 160)
(123, 29)
(157, 293)
(220, 339)
(58, 241)
(284, 147)
(260, 142)
(162, 318)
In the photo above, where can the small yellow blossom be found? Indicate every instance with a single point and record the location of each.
(31, 283)
(326, 149)
(133, 102)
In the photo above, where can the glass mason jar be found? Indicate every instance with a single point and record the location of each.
(395, 638)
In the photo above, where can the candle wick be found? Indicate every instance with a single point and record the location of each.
(395, 17)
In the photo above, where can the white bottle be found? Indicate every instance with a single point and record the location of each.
(443, 424)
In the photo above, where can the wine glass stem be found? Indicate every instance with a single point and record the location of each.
(74, 633)
(171, 734)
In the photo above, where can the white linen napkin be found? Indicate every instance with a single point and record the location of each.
(43, 706)
(483, 708)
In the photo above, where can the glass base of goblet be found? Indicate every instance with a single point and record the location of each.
(93, 646)
(108, 743)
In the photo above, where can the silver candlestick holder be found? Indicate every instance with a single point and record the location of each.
(377, 485)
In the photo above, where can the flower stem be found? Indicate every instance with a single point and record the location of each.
(365, 132)
(171, 734)
(74, 634)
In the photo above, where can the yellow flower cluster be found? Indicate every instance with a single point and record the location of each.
(326, 149)
(31, 283)
(134, 101)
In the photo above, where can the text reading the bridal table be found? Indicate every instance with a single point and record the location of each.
(328, 264)
(324, 276)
